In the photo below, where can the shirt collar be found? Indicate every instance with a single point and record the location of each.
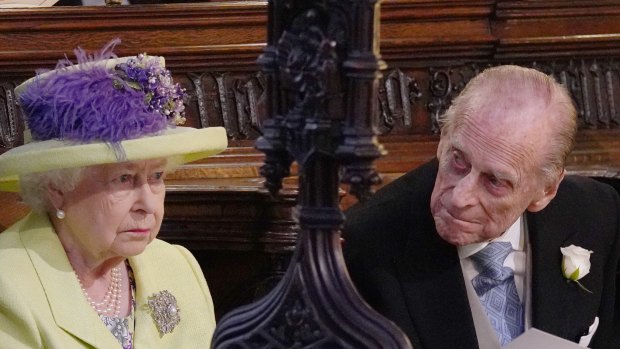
(513, 235)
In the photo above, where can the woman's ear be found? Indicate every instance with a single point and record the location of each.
(548, 194)
(55, 196)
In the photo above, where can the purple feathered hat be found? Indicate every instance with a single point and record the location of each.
(101, 110)
(90, 101)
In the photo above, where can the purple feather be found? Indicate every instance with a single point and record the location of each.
(88, 104)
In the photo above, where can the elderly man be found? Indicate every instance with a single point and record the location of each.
(464, 252)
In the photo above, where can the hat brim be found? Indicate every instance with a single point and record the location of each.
(186, 143)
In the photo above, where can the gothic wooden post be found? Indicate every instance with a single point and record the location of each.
(322, 68)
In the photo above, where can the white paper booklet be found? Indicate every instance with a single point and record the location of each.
(537, 339)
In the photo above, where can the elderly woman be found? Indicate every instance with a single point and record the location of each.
(85, 269)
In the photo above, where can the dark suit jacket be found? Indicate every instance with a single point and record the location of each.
(408, 273)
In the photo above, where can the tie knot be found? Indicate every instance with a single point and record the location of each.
(490, 260)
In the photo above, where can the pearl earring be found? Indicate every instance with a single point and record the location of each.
(60, 214)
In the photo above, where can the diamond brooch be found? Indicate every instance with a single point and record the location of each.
(165, 311)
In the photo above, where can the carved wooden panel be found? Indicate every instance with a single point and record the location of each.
(11, 126)
(233, 100)
(410, 100)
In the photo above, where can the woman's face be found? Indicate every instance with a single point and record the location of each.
(114, 211)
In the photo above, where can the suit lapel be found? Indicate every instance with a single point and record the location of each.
(555, 302)
(67, 303)
(432, 281)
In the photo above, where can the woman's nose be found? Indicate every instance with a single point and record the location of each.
(146, 199)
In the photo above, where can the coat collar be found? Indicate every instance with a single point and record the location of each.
(64, 295)
(67, 303)
(146, 333)
(430, 274)
(554, 299)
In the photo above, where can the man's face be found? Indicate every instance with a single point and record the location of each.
(488, 176)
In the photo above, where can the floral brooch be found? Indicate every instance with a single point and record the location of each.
(575, 264)
(165, 311)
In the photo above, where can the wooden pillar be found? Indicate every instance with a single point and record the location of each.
(322, 69)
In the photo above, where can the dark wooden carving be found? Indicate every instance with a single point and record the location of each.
(234, 101)
(322, 70)
(407, 98)
(11, 127)
(398, 95)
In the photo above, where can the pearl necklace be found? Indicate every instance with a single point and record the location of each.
(110, 305)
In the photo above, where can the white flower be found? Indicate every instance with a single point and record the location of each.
(575, 264)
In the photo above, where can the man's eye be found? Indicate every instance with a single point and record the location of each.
(458, 161)
(498, 186)
(494, 181)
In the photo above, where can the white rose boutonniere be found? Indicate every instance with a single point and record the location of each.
(575, 264)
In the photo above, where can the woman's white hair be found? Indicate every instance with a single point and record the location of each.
(34, 186)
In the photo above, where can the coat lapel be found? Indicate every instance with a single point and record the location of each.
(67, 303)
(146, 333)
(161, 268)
(432, 281)
(558, 306)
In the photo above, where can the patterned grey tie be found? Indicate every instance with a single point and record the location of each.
(495, 285)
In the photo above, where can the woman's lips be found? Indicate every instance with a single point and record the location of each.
(138, 231)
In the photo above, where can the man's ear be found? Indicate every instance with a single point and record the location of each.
(55, 196)
(547, 195)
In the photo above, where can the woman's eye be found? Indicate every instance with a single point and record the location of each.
(122, 182)
(125, 178)
(157, 176)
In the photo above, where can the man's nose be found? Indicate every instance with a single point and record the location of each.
(465, 193)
